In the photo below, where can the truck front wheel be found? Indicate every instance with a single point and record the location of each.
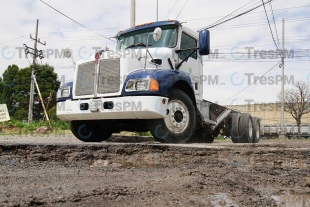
(87, 132)
(179, 124)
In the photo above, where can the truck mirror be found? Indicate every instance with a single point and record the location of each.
(204, 42)
(157, 34)
(67, 53)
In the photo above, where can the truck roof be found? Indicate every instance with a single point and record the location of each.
(149, 25)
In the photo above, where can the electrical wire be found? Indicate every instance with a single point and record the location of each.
(274, 22)
(231, 13)
(253, 82)
(77, 22)
(171, 8)
(11, 40)
(276, 10)
(259, 24)
(182, 9)
(270, 25)
(248, 14)
(82, 30)
(232, 18)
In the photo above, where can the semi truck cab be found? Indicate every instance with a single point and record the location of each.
(152, 82)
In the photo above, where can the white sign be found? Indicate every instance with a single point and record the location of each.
(4, 114)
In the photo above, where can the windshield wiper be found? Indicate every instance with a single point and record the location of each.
(137, 44)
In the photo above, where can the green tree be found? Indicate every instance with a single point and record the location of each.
(1, 87)
(18, 93)
(7, 87)
(48, 82)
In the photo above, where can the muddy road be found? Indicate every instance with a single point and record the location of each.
(57, 171)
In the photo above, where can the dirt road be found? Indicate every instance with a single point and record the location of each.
(61, 171)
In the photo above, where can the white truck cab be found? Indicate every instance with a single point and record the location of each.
(151, 82)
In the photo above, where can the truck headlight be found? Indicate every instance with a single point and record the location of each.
(63, 92)
(144, 84)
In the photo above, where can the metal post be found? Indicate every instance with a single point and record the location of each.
(282, 133)
(30, 112)
(133, 13)
(157, 12)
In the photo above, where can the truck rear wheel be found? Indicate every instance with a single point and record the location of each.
(179, 124)
(246, 128)
(84, 131)
(256, 129)
(234, 131)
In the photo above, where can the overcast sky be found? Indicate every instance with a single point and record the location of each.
(18, 19)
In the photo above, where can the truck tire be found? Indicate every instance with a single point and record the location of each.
(82, 131)
(246, 128)
(234, 130)
(179, 124)
(256, 129)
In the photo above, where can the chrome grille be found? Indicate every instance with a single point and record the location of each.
(109, 76)
(84, 84)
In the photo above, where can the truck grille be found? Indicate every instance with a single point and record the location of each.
(84, 85)
(109, 76)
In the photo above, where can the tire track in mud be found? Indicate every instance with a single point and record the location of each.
(153, 174)
(152, 155)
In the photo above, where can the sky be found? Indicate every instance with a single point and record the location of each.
(228, 72)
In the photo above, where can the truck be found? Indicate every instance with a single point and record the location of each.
(290, 130)
(152, 82)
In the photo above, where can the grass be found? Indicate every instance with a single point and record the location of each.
(14, 125)
(220, 138)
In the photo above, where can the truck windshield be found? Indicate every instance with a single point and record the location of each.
(138, 39)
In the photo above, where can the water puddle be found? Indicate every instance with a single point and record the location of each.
(290, 198)
(222, 200)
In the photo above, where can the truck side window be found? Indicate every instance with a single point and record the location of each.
(187, 42)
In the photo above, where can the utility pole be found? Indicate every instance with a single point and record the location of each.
(35, 54)
(282, 133)
(157, 12)
(133, 13)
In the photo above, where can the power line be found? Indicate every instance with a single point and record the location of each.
(274, 22)
(11, 40)
(239, 15)
(270, 25)
(245, 43)
(248, 14)
(171, 8)
(182, 9)
(252, 82)
(76, 21)
(260, 23)
(82, 30)
(231, 13)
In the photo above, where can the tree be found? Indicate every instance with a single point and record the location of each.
(297, 102)
(48, 81)
(7, 88)
(18, 92)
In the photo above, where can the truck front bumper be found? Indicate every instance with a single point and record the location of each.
(129, 107)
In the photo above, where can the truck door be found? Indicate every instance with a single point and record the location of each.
(192, 65)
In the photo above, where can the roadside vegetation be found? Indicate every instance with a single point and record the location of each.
(15, 126)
